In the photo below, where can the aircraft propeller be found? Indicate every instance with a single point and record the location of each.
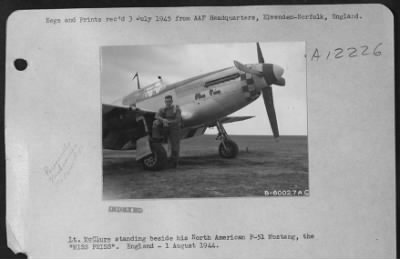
(272, 75)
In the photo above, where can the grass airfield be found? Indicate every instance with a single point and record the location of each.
(262, 164)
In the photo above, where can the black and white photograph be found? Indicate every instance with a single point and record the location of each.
(204, 120)
(261, 131)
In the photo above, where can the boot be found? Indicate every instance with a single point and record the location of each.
(173, 164)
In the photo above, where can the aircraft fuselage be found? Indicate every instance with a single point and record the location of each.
(203, 99)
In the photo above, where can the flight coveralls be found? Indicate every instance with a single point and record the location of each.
(172, 130)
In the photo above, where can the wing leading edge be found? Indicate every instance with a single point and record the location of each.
(200, 130)
(120, 126)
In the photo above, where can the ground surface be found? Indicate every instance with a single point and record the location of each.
(262, 164)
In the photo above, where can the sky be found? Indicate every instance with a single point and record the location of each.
(178, 62)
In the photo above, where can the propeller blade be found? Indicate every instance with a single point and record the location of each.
(245, 69)
(269, 106)
(259, 54)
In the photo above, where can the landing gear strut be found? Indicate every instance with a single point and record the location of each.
(228, 148)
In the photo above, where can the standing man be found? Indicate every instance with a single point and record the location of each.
(168, 120)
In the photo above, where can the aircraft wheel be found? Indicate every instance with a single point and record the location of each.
(230, 150)
(157, 160)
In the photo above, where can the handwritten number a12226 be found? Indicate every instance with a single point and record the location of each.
(350, 52)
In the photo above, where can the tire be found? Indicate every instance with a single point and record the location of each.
(156, 161)
(231, 151)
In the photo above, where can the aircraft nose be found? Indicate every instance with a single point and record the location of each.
(273, 74)
(278, 72)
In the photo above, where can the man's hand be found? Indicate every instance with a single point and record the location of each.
(165, 122)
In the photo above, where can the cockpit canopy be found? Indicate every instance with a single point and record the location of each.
(145, 92)
(154, 88)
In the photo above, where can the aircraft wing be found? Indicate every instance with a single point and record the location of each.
(111, 107)
(120, 126)
(200, 130)
(230, 119)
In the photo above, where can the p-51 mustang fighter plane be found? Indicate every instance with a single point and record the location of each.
(205, 101)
